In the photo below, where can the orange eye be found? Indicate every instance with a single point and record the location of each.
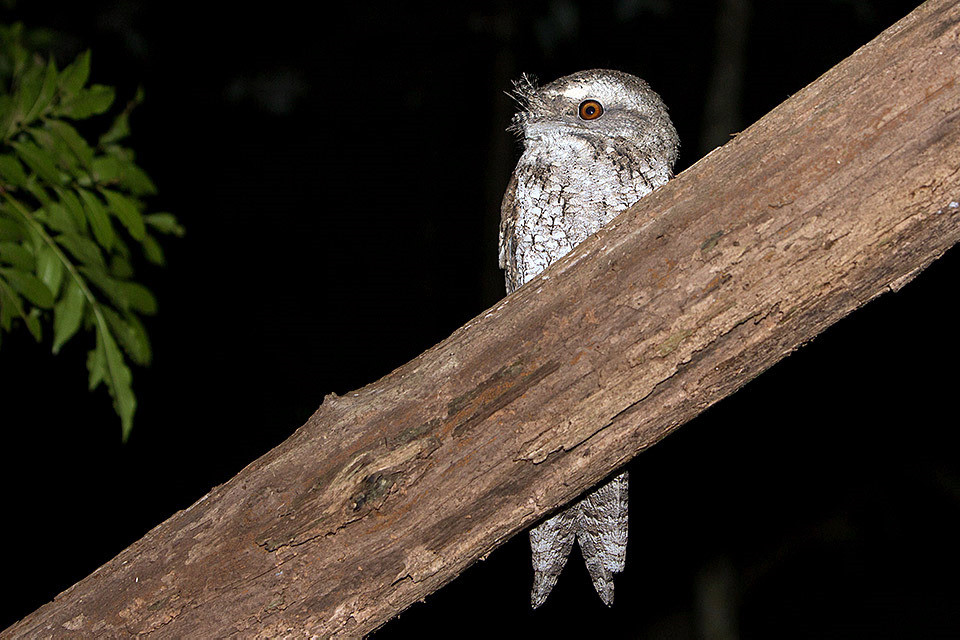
(590, 110)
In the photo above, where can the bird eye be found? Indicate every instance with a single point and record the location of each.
(590, 110)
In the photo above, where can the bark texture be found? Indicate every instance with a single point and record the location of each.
(845, 191)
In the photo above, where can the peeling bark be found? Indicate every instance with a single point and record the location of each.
(845, 191)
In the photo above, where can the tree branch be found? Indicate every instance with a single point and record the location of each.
(845, 191)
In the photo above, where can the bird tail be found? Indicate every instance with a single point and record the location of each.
(599, 524)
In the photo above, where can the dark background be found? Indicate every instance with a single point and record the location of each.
(339, 177)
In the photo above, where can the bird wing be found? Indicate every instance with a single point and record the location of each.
(602, 533)
(550, 543)
(508, 220)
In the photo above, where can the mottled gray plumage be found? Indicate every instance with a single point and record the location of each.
(594, 143)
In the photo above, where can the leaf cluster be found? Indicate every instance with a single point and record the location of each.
(73, 217)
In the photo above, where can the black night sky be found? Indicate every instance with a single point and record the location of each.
(339, 176)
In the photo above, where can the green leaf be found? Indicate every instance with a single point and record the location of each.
(44, 138)
(139, 347)
(27, 90)
(130, 334)
(64, 157)
(124, 294)
(96, 364)
(123, 399)
(11, 230)
(47, 91)
(120, 152)
(29, 286)
(13, 253)
(50, 269)
(152, 250)
(137, 297)
(18, 53)
(107, 285)
(58, 219)
(134, 178)
(121, 248)
(73, 141)
(87, 102)
(82, 248)
(11, 307)
(106, 363)
(126, 211)
(121, 268)
(12, 171)
(72, 203)
(119, 130)
(37, 190)
(118, 166)
(7, 114)
(39, 160)
(67, 314)
(165, 223)
(75, 75)
(106, 169)
(33, 324)
(58, 151)
(97, 216)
